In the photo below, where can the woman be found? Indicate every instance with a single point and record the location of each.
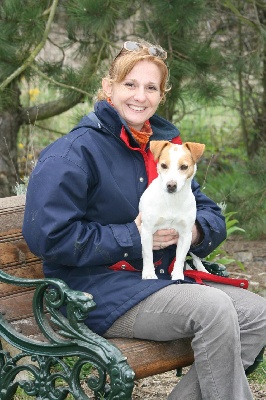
(82, 218)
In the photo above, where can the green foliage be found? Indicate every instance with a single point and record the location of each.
(196, 65)
(243, 190)
(224, 172)
(258, 376)
(219, 254)
(21, 188)
(95, 16)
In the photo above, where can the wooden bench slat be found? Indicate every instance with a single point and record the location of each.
(28, 327)
(148, 358)
(18, 306)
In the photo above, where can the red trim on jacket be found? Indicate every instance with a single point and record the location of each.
(123, 266)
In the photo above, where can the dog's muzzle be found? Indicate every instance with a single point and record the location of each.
(171, 187)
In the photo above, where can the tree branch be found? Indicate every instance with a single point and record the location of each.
(47, 110)
(35, 52)
(63, 85)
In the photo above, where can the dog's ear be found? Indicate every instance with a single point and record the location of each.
(156, 147)
(196, 150)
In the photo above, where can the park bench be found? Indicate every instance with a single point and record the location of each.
(51, 356)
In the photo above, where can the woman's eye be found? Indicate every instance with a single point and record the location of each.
(152, 88)
(129, 84)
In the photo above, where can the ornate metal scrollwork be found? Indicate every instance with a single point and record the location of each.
(72, 360)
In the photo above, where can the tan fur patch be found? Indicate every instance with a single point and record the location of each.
(187, 160)
(157, 147)
(165, 156)
(196, 149)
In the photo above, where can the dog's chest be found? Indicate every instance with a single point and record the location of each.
(175, 218)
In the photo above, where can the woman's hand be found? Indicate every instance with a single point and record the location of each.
(164, 238)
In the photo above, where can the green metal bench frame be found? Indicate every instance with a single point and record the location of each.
(66, 337)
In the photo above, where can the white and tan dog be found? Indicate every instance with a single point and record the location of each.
(170, 203)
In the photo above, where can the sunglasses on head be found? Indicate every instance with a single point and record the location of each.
(155, 51)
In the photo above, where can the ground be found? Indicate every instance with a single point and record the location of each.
(253, 256)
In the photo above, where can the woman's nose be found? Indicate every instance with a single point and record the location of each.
(140, 94)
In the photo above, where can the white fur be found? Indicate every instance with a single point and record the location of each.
(163, 210)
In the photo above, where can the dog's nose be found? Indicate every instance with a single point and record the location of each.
(171, 187)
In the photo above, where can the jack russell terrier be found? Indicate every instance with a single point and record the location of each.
(169, 202)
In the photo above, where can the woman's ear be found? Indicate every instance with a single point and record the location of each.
(107, 86)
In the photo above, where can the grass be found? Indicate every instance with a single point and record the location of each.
(259, 375)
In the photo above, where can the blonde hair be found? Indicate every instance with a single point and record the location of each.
(125, 62)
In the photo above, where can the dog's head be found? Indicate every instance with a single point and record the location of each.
(176, 163)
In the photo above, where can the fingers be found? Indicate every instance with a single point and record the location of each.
(164, 238)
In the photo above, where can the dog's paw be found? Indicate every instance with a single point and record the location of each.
(177, 276)
(151, 275)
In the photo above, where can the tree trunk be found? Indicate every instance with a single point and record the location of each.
(10, 123)
(9, 127)
(259, 139)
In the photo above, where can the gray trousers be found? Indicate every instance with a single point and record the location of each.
(227, 326)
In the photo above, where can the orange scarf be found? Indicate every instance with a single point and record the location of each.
(142, 136)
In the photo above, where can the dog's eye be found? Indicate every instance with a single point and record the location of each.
(164, 166)
(183, 167)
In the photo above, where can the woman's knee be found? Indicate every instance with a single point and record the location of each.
(217, 308)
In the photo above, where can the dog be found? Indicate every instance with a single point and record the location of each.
(169, 202)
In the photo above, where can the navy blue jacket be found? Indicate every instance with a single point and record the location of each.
(81, 204)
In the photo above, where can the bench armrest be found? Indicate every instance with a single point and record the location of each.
(65, 337)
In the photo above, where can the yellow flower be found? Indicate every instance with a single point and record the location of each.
(34, 93)
(21, 146)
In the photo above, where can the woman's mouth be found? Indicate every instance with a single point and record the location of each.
(136, 108)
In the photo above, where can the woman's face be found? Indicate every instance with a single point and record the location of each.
(137, 97)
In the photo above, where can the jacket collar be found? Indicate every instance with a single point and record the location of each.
(111, 120)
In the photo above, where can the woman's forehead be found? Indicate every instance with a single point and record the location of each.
(145, 70)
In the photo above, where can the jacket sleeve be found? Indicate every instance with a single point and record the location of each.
(212, 223)
(55, 224)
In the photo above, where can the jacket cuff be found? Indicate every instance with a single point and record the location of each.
(128, 237)
(212, 237)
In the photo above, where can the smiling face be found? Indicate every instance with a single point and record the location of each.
(137, 97)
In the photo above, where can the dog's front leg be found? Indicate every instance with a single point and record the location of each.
(148, 271)
(182, 248)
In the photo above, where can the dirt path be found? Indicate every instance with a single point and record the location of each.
(253, 256)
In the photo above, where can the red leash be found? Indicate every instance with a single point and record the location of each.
(205, 276)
